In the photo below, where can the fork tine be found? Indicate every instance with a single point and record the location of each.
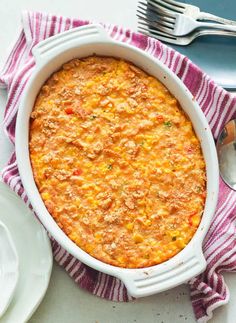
(158, 22)
(153, 30)
(175, 3)
(147, 8)
(150, 18)
(155, 25)
(157, 35)
(162, 4)
(157, 9)
(165, 21)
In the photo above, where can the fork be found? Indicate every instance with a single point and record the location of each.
(175, 23)
(181, 40)
(190, 11)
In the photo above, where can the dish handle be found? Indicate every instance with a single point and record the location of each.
(59, 43)
(149, 281)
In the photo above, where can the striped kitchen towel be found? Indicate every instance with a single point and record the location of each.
(208, 290)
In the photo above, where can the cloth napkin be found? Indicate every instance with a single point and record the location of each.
(208, 290)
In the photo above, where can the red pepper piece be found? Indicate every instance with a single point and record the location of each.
(77, 172)
(190, 217)
(203, 195)
(160, 118)
(69, 110)
(190, 149)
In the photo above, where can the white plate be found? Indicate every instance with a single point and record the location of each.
(9, 268)
(34, 252)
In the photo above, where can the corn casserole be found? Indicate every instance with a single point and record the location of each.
(117, 162)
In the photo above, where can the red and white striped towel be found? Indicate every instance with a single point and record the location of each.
(208, 290)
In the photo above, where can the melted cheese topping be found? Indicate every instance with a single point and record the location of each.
(117, 162)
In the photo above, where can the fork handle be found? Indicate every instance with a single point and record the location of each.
(211, 25)
(208, 16)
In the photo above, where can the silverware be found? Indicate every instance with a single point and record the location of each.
(226, 150)
(148, 28)
(173, 23)
(189, 10)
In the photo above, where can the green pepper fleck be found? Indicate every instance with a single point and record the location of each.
(168, 124)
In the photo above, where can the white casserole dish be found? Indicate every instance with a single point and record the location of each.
(92, 39)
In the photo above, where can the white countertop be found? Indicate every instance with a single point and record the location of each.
(65, 302)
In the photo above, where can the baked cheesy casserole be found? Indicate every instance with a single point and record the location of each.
(117, 162)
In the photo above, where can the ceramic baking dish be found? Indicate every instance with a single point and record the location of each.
(92, 39)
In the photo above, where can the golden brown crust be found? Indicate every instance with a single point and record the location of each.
(117, 162)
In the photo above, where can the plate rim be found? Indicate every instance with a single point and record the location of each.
(6, 192)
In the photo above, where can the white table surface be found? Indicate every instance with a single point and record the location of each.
(64, 301)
